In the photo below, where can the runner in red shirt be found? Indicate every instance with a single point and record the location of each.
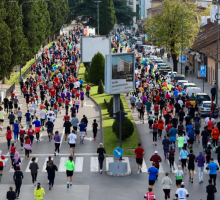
(12, 95)
(156, 109)
(66, 117)
(88, 90)
(2, 164)
(77, 95)
(73, 91)
(139, 152)
(42, 106)
(36, 97)
(150, 195)
(31, 133)
(60, 103)
(52, 92)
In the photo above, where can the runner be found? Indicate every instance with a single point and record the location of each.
(153, 174)
(72, 142)
(82, 130)
(191, 165)
(70, 167)
(2, 164)
(139, 152)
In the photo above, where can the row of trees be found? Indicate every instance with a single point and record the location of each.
(109, 12)
(165, 28)
(21, 36)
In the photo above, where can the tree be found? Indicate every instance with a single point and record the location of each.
(110, 107)
(59, 12)
(107, 17)
(96, 70)
(19, 45)
(101, 88)
(123, 13)
(5, 43)
(36, 23)
(165, 28)
(127, 129)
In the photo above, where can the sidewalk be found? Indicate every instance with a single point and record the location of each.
(193, 79)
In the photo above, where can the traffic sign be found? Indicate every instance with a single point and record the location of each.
(202, 71)
(182, 59)
(118, 152)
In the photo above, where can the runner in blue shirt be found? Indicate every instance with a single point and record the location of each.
(212, 173)
(82, 130)
(153, 172)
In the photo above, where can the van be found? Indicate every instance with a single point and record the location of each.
(180, 82)
(194, 90)
(186, 85)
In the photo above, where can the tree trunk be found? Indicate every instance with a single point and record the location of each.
(175, 62)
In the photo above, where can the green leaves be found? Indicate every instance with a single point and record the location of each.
(96, 70)
(165, 28)
(107, 17)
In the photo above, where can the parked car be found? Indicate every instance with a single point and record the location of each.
(194, 90)
(138, 42)
(180, 82)
(164, 71)
(159, 65)
(186, 85)
(179, 77)
(201, 97)
(204, 108)
(169, 74)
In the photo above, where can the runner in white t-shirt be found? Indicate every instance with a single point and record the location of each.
(42, 118)
(72, 142)
(182, 193)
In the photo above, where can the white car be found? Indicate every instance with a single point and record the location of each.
(169, 74)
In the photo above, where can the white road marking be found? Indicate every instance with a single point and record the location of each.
(61, 141)
(78, 164)
(108, 160)
(62, 167)
(94, 165)
(144, 166)
(90, 138)
(64, 154)
(126, 160)
(27, 169)
(12, 169)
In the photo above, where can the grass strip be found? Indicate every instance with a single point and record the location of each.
(23, 70)
(110, 140)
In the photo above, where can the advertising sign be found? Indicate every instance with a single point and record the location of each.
(87, 31)
(119, 73)
(202, 71)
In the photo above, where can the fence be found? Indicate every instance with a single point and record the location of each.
(9, 90)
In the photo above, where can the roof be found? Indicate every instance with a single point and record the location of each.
(158, 9)
(211, 51)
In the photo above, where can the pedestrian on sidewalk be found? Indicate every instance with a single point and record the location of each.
(94, 129)
(34, 169)
(186, 70)
(101, 151)
(166, 182)
(213, 93)
(139, 152)
(39, 192)
(200, 159)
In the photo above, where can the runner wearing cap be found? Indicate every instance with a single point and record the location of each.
(182, 193)
(156, 159)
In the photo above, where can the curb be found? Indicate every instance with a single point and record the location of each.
(100, 112)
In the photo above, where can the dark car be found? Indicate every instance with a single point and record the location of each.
(179, 77)
(201, 97)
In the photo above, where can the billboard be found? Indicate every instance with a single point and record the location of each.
(92, 45)
(119, 73)
(88, 31)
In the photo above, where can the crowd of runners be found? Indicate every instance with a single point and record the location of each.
(51, 86)
(173, 121)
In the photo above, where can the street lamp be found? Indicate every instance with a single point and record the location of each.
(97, 14)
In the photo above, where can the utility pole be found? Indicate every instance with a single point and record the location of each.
(97, 15)
(182, 41)
(217, 17)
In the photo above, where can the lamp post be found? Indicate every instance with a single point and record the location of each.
(97, 14)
